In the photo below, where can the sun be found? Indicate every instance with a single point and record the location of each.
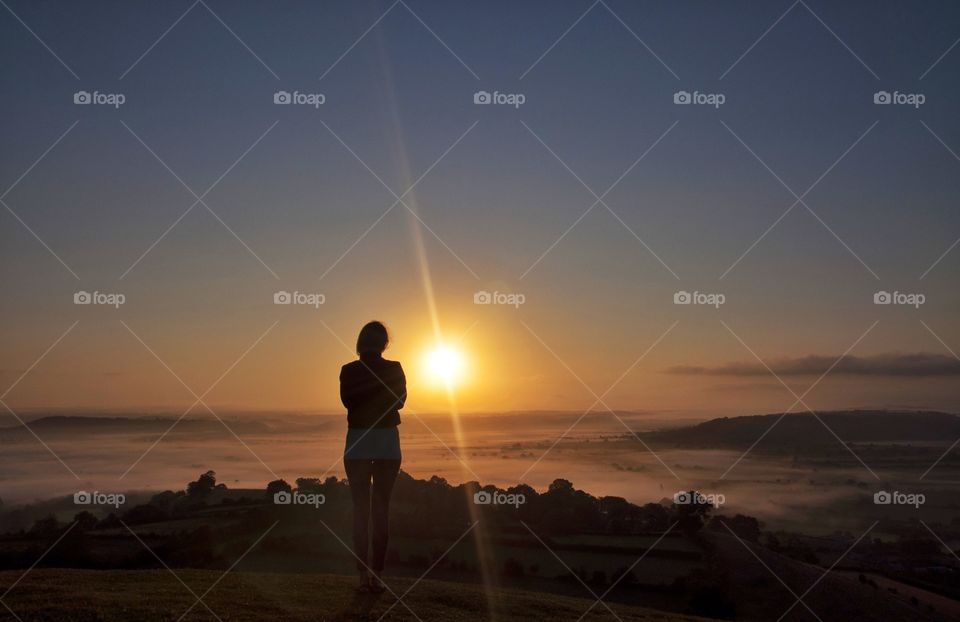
(445, 365)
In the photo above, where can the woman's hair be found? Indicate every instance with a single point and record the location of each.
(373, 338)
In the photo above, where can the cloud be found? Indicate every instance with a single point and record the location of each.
(919, 365)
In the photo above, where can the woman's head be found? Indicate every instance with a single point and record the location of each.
(373, 338)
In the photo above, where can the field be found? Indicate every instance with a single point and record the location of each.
(155, 595)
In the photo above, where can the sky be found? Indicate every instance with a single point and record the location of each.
(588, 197)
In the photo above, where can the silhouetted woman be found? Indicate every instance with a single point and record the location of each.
(374, 390)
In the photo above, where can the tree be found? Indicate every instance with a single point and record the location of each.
(85, 521)
(277, 485)
(692, 513)
(201, 488)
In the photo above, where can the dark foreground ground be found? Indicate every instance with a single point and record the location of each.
(155, 595)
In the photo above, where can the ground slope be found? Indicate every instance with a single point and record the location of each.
(154, 595)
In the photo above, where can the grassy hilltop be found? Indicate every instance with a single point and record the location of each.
(156, 595)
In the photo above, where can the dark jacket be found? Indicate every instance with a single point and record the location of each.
(373, 389)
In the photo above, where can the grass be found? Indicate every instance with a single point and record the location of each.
(156, 595)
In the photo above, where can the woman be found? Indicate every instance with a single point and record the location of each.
(373, 390)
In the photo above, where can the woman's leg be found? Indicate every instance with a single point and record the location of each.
(384, 476)
(359, 473)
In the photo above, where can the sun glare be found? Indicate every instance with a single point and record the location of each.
(445, 365)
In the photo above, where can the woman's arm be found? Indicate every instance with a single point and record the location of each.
(399, 386)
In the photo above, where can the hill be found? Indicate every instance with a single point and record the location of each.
(802, 430)
(760, 582)
(154, 595)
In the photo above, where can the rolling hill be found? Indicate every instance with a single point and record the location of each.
(799, 430)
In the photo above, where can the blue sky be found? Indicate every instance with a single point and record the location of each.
(598, 82)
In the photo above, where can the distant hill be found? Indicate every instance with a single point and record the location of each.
(802, 430)
(155, 595)
(755, 580)
(68, 424)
